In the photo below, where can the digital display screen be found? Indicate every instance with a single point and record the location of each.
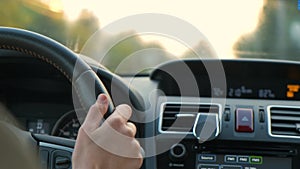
(247, 92)
(247, 79)
(38, 126)
(271, 88)
(213, 161)
(258, 89)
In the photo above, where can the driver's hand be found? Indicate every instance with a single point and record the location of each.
(110, 146)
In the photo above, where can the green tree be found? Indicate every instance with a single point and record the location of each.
(277, 34)
(36, 16)
(81, 30)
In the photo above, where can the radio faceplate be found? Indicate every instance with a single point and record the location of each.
(234, 161)
(216, 155)
(244, 141)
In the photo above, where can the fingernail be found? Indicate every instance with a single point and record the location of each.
(102, 98)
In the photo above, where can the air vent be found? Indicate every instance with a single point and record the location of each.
(180, 118)
(285, 121)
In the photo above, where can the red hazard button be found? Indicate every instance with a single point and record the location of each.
(244, 120)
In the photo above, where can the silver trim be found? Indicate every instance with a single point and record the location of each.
(54, 146)
(269, 121)
(185, 115)
(163, 105)
(196, 121)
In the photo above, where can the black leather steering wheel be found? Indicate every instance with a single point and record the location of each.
(71, 66)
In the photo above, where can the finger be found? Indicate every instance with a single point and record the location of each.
(96, 113)
(129, 130)
(116, 142)
(124, 111)
(120, 116)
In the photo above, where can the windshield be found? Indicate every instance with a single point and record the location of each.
(228, 29)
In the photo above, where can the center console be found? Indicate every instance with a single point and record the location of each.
(250, 122)
(242, 142)
(208, 156)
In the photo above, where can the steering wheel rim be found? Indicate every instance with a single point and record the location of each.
(79, 73)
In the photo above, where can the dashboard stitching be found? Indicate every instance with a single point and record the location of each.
(25, 51)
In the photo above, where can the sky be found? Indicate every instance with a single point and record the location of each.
(221, 21)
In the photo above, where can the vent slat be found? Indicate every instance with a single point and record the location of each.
(285, 121)
(288, 133)
(287, 112)
(176, 129)
(172, 122)
(285, 118)
(169, 118)
(191, 108)
(283, 125)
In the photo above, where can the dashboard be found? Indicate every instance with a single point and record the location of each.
(251, 108)
(246, 117)
(41, 101)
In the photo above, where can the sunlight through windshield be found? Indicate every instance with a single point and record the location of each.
(222, 22)
(235, 28)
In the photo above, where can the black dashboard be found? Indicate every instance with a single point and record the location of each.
(255, 104)
(245, 79)
(37, 95)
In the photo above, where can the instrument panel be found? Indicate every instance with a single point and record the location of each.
(40, 101)
(245, 79)
(258, 122)
(50, 119)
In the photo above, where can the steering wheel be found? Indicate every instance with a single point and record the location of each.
(54, 152)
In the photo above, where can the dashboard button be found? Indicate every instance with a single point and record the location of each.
(244, 120)
(230, 159)
(227, 114)
(243, 159)
(261, 116)
(207, 158)
(256, 160)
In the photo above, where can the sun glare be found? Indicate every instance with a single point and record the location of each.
(56, 6)
(222, 22)
(170, 45)
(72, 8)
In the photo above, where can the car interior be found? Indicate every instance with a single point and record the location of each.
(240, 112)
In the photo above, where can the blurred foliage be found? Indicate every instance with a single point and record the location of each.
(277, 34)
(131, 55)
(35, 16)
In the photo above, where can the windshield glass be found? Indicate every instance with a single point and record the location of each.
(230, 29)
